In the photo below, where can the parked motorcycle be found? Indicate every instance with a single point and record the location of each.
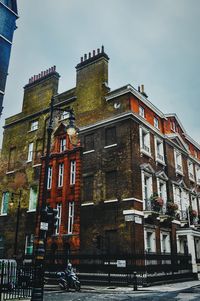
(68, 280)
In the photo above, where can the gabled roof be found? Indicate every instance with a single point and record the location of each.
(162, 175)
(177, 119)
(147, 167)
(176, 139)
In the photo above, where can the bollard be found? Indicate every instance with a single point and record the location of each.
(134, 281)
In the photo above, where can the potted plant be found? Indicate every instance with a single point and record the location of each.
(172, 208)
(156, 202)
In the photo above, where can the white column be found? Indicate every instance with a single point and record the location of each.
(191, 250)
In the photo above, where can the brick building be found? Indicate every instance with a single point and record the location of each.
(140, 169)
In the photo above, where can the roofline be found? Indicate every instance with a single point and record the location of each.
(180, 123)
(130, 89)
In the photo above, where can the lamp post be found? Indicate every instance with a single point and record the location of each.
(38, 281)
(17, 221)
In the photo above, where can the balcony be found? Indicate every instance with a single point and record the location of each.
(160, 157)
(191, 176)
(179, 167)
(146, 148)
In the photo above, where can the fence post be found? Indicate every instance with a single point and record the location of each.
(134, 281)
(1, 280)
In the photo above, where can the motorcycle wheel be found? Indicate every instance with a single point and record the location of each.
(77, 286)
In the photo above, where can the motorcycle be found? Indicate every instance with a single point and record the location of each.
(68, 280)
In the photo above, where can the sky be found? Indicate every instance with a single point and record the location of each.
(150, 42)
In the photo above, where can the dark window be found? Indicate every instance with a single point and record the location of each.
(110, 136)
(38, 151)
(88, 188)
(111, 184)
(111, 242)
(89, 142)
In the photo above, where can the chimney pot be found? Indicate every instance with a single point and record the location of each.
(85, 56)
(89, 55)
(93, 52)
(81, 59)
(102, 49)
(138, 88)
(98, 50)
(142, 88)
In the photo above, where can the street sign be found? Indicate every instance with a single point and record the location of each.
(121, 263)
(43, 226)
(138, 219)
(129, 218)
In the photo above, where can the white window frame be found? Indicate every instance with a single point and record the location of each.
(59, 215)
(32, 200)
(141, 111)
(162, 193)
(197, 173)
(5, 195)
(70, 217)
(178, 162)
(156, 123)
(30, 152)
(181, 198)
(145, 145)
(72, 172)
(191, 170)
(147, 188)
(34, 125)
(62, 145)
(29, 237)
(173, 126)
(49, 177)
(165, 244)
(194, 202)
(150, 245)
(60, 174)
(159, 150)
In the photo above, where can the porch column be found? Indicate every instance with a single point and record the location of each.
(191, 250)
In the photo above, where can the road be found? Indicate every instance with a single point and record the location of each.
(191, 294)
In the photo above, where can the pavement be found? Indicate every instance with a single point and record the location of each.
(172, 287)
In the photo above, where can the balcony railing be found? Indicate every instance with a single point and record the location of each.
(191, 176)
(179, 167)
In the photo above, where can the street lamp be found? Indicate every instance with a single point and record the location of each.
(17, 221)
(38, 281)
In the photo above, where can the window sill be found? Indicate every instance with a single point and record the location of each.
(88, 152)
(30, 131)
(192, 179)
(111, 145)
(29, 161)
(180, 172)
(9, 172)
(87, 204)
(110, 201)
(32, 210)
(143, 151)
(36, 165)
(160, 161)
(3, 214)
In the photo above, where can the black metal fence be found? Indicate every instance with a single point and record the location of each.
(15, 280)
(121, 269)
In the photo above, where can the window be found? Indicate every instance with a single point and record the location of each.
(145, 141)
(111, 184)
(194, 203)
(89, 142)
(178, 162)
(197, 169)
(141, 111)
(72, 172)
(165, 242)
(195, 154)
(12, 159)
(2, 246)
(60, 174)
(190, 170)
(59, 208)
(62, 145)
(4, 203)
(49, 177)
(159, 152)
(34, 125)
(147, 189)
(71, 217)
(88, 188)
(33, 198)
(173, 126)
(150, 241)
(181, 198)
(30, 152)
(156, 122)
(110, 136)
(29, 244)
(64, 115)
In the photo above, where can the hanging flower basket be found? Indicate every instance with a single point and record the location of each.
(157, 202)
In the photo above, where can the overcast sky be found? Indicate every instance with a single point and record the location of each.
(150, 42)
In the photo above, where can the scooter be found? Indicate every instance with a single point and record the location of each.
(68, 280)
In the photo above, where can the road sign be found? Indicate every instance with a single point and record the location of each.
(121, 263)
